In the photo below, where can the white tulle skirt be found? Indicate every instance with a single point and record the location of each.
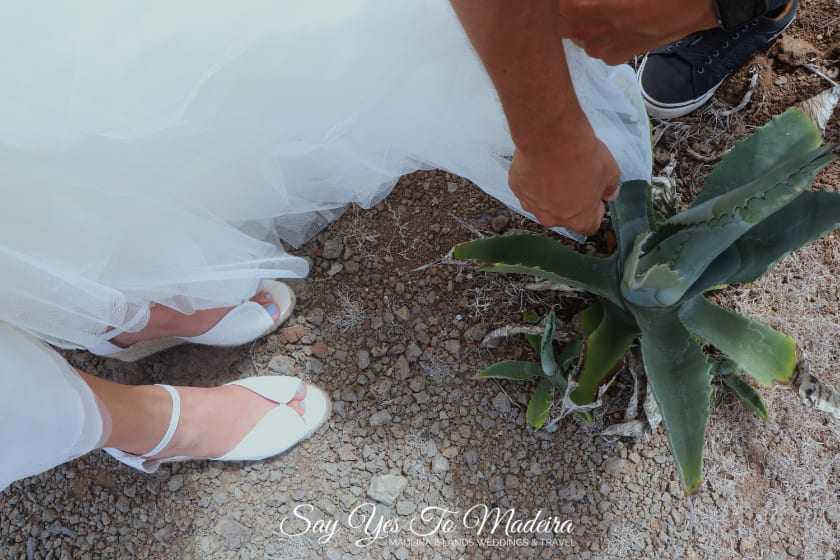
(156, 151)
(48, 414)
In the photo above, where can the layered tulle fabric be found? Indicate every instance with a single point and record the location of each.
(48, 415)
(156, 151)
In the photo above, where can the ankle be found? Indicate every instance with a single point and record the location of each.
(141, 429)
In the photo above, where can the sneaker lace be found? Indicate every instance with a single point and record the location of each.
(701, 49)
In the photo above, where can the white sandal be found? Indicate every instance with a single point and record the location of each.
(243, 324)
(279, 430)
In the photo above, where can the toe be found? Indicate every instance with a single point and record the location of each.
(297, 406)
(272, 310)
(262, 297)
(301, 392)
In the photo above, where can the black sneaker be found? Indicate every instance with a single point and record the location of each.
(678, 78)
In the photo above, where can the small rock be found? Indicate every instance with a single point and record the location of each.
(335, 268)
(501, 403)
(332, 249)
(386, 488)
(403, 313)
(781, 80)
(220, 498)
(283, 364)
(471, 457)
(316, 316)
(453, 346)
(379, 418)
(615, 466)
(176, 483)
(347, 453)
(363, 359)
(401, 368)
(440, 464)
(292, 334)
(475, 333)
(320, 349)
(233, 533)
(746, 545)
(405, 507)
(451, 187)
(500, 223)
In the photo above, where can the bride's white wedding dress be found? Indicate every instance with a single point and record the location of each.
(149, 149)
(156, 151)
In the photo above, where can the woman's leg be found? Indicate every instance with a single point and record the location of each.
(165, 321)
(52, 413)
(213, 420)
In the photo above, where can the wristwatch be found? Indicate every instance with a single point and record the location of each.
(734, 13)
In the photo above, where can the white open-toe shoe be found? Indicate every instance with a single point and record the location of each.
(244, 323)
(280, 429)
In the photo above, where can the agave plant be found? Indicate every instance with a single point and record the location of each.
(755, 207)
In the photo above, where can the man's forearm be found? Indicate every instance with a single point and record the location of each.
(522, 51)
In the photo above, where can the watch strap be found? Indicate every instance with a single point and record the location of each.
(734, 13)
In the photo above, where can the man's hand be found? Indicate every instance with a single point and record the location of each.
(566, 182)
(615, 30)
(561, 173)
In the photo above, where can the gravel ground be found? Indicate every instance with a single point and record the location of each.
(397, 349)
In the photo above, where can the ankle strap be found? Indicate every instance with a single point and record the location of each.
(173, 421)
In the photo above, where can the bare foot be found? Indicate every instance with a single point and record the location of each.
(165, 322)
(213, 421)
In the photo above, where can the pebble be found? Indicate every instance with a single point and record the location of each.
(471, 457)
(175, 483)
(333, 249)
(615, 466)
(320, 349)
(292, 334)
(347, 453)
(405, 507)
(363, 359)
(403, 313)
(387, 488)
(453, 347)
(440, 464)
(500, 223)
(380, 418)
(233, 533)
(501, 402)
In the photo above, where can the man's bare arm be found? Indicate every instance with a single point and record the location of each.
(561, 172)
(615, 30)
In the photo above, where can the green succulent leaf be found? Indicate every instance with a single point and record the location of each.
(547, 357)
(546, 258)
(680, 378)
(631, 214)
(717, 274)
(531, 316)
(765, 354)
(539, 406)
(534, 341)
(604, 349)
(728, 373)
(708, 230)
(803, 221)
(513, 370)
(790, 134)
(591, 317)
(646, 288)
(764, 195)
